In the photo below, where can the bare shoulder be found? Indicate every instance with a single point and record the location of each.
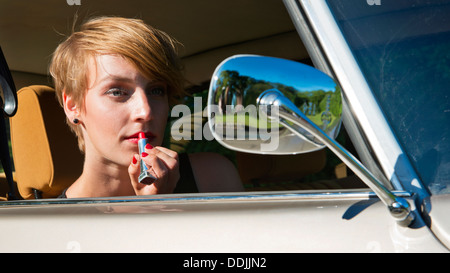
(215, 173)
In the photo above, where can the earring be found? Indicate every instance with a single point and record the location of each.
(75, 121)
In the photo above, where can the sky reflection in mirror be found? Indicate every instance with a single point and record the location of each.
(300, 76)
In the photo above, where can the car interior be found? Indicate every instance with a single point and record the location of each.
(44, 152)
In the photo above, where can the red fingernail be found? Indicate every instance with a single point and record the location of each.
(144, 154)
(148, 146)
(134, 160)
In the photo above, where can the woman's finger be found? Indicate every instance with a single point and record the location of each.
(154, 164)
(169, 157)
(133, 171)
(167, 177)
(167, 151)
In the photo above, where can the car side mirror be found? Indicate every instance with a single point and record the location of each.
(240, 122)
(8, 94)
(8, 102)
(268, 105)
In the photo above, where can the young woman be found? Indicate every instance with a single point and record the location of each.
(117, 77)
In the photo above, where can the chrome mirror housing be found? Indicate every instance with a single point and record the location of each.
(239, 121)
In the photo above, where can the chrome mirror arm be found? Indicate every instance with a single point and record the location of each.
(291, 117)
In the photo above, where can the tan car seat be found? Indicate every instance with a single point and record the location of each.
(46, 155)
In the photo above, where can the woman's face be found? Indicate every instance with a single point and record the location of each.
(120, 102)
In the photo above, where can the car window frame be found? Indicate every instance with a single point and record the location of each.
(363, 118)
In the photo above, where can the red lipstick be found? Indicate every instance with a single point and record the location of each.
(145, 177)
(134, 138)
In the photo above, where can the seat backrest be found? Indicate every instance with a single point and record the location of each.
(45, 152)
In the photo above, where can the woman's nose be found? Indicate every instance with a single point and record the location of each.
(142, 110)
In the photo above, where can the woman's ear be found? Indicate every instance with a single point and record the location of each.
(70, 107)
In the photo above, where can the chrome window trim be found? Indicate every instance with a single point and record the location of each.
(319, 60)
(299, 195)
(366, 111)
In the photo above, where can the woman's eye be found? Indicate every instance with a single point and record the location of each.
(157, 91)
(116, 92)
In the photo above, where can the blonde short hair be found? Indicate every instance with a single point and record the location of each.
(151, 51)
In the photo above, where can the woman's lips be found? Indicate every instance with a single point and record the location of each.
(135, 137)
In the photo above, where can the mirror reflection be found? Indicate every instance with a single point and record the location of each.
(238, 123)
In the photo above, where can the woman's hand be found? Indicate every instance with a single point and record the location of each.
(162, 163)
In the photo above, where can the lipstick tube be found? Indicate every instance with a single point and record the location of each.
(145, 177)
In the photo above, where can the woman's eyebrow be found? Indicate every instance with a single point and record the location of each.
(116, 78)
(124, 79)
